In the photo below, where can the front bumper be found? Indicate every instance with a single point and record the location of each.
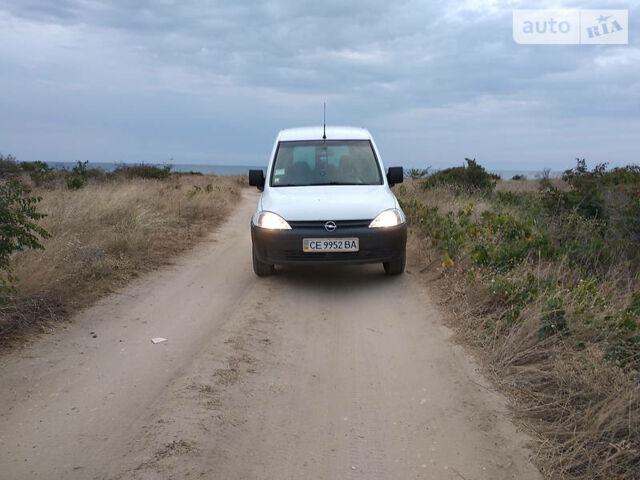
(285, 246)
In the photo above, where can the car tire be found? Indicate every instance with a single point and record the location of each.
(261, 269)
(395, 266)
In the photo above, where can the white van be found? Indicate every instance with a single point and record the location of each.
(326, 199)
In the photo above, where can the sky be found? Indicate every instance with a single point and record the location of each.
(212, 82)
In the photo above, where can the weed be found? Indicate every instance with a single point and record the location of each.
(546, 281)
(553, 320)
(143, 170)
(473, 176)
(18, 228)
(104, 234)
(80, 174)
(417, 172)
(39, 172)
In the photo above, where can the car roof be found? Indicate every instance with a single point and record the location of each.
(315, 133)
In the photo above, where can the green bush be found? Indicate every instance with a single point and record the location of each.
(548, 283)
(143, 170)
(504, 241)
(514, 293)
(497, 240)
(624, 347)
(9, 166)
(472, 177)
(18, 229)
(591, 189)
(417, 172)
(553, 318)
(586, 230)
(77, 177)
(598, 218)
(40, 172)
(80, 174)
(582, 179)
(74, 181)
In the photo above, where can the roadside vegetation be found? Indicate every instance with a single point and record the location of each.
(542, 277)
(69, 237)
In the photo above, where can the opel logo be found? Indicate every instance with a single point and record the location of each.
(330, 226)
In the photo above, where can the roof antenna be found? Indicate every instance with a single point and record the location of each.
(324, 121)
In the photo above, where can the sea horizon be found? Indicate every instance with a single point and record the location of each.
(227, 170)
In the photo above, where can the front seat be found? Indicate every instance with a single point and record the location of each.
(347, 172)
(299, 174)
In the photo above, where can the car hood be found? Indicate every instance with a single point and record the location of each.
(331, 202)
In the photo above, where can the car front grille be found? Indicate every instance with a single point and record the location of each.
(319, 224)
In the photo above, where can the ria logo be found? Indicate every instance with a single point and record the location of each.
(562, 27)
(330, 226)
(604, 26)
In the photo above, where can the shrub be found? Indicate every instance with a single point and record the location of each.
(624, 348)
(40, 172)
(417, 172)
(513, 294)
(553, 318)
(547, 282)
(18, 229)
(80, 174)
(471, 177)
(520, 199)
(590, 188)
(74, 182)
(599, 217)
(143, 170)
(103, 235)
(497, 240)
(9, 166)
(582, 179)
(518, 177)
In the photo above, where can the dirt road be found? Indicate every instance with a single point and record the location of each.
(316, 373)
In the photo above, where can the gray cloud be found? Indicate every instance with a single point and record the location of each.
(205, 81)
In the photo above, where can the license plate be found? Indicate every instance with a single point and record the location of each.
(330, 245)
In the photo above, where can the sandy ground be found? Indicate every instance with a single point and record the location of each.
(314, 373)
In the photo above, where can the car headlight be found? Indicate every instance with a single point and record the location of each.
(389, 218)
(272, 221)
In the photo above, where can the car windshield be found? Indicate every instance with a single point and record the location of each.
(328, 162)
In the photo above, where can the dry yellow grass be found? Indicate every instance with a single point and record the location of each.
(519, 186)
(106, 233)
(582, 411)
(445, 197)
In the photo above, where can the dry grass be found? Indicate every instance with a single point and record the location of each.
(582, 410)
(107, 233)
(519, 186)
(445, 197)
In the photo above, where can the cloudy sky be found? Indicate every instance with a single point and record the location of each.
(212, 82)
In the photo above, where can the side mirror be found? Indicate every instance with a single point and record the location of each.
(256, 179)
(395, 175)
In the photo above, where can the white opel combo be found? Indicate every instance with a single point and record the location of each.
(326, 199)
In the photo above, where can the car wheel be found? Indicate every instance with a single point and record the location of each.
(395, 266)
(260, 268)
